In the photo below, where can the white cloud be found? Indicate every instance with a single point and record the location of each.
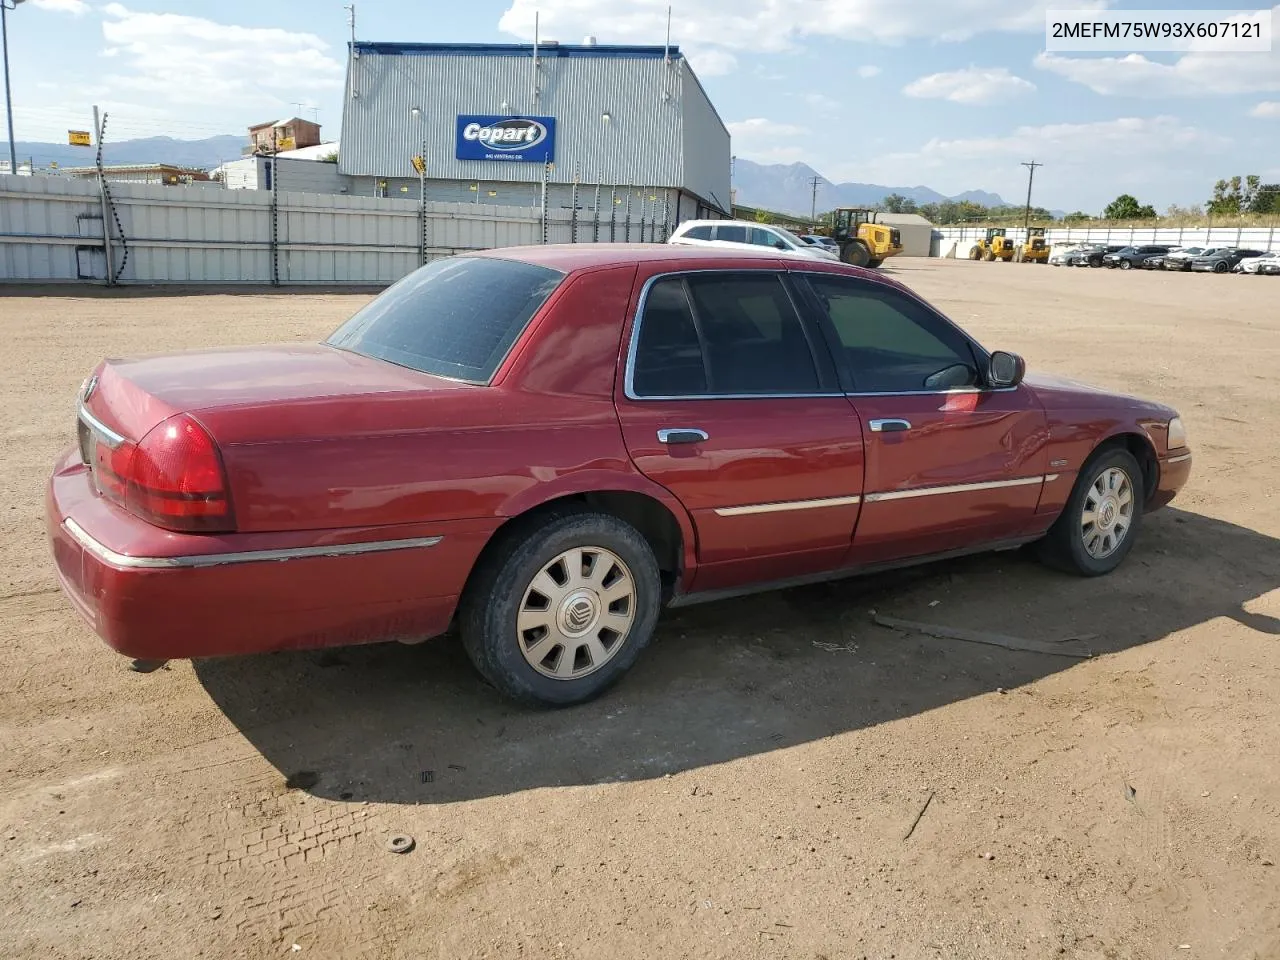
(772, 26)
(1191, 75)
(821, 103)
(971, 86)
(1267, 110)
(711, 62)
(76, 7)
(1134, 152)
(244, 67)
(867, 71)
(767, 141)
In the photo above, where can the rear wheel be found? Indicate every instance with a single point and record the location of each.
(1220, 267)
(975, 253)
(561, 610)
(1097, 528)
(855, 252)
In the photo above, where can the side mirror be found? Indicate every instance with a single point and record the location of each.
(1006, 369)
(780, 245)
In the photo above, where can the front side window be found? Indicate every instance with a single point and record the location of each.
(455, 317)
(762, 238)
(716, 334)
(891, 343)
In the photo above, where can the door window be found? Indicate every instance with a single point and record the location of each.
(727, 334)
(698, 233)
(733, 234)
(891, 343)
(762, 238)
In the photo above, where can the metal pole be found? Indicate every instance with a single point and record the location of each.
(422, 207)
(595, 231)
(613, 214)
(1026, 219)
(8, 97)
(813, 207)
(106, 209)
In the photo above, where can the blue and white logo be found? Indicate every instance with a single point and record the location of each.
(520, 139)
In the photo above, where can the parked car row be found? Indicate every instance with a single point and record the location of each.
(1157, 257)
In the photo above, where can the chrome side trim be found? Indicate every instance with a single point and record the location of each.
(1050, 477)
(200, 560)
(111, 438)
(757, 508)
(1185, 456)
(953, 488)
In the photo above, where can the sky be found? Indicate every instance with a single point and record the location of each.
(950, 94)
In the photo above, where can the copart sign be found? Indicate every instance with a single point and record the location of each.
(509, 139)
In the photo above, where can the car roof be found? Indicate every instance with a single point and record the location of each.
(577, 257)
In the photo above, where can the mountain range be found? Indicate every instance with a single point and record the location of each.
(203, 154)
(788, 188)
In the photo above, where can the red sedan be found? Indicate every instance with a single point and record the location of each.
(545, 446)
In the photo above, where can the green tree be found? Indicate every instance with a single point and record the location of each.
(1238, 195)
(931, 212)
(1078, 217)
(1176, 212)
(762, 216)
(1266, 199)
(1126, 207)
(897, 203)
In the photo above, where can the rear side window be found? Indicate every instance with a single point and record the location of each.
(698, 233)
(455, 317)
(733, 234)
(721, 334)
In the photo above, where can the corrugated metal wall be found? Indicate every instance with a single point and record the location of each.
(706, 144)
(51, 230)
(643, 142)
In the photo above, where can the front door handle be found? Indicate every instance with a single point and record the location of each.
(682, 435)
(889, 425)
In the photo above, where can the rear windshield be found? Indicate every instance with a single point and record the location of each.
(455, 317)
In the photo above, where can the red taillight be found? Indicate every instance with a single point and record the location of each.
(175, 478)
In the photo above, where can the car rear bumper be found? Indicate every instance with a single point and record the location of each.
(153, 594)
(1175, 470)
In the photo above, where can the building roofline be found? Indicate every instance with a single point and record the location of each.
(602, 51)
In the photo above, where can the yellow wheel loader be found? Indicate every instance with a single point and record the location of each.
(862, 241)
(994, 246)
(1035, 250)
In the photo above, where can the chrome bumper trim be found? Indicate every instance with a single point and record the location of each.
(125, 562)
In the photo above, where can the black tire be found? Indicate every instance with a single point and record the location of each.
(975, 253)
(988, 255)
(1220, 267)
(874, 263)
(855, 253)
(1063, 547)
(497, 589)
(1126, 265)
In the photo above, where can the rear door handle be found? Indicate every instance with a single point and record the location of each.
(890, 425)
(682, 435)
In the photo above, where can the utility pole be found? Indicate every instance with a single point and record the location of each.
(1026, 217)
(813, 208)
(351, 20)
(5, 7)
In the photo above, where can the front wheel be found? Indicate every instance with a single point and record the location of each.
(1096, 529)
(558, 613)
(1126, 265)
(855, 253)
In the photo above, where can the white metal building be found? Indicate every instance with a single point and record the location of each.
(493, 121)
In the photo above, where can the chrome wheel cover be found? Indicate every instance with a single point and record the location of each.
(576, 614)
(1107, 516)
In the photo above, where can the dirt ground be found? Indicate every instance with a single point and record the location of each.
(747, 791)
